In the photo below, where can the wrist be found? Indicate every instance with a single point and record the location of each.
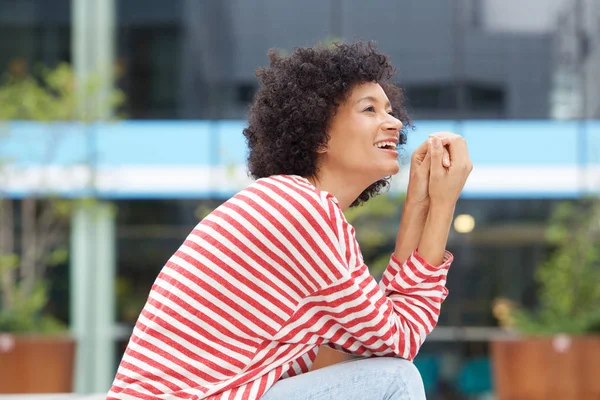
(435, 233)
(442, 205)
(414, 216)
(441, 212)
(416, 206)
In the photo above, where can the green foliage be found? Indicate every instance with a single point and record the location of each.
(54, 95)
(330, 41)
(8, 262)
(57, 256)
(569, 280)
(129, 300)
(376, 224)
(24, 289)
(326, 42)
(26, 315)
(203, 210)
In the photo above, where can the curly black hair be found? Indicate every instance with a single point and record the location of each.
(299, 95)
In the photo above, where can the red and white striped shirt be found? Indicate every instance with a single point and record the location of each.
(258, 286)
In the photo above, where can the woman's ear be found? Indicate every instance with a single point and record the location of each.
(322, 149)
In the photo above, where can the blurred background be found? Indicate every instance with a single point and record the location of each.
(121, 127)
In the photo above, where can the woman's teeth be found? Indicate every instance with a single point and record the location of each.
(386, 145)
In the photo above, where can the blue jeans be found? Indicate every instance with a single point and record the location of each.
(381, 378)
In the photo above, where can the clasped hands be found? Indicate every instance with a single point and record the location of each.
(439, 169)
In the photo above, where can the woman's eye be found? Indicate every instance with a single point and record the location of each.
(370, 109)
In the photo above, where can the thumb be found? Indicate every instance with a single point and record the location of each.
(437, 152)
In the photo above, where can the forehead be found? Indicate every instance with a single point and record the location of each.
(370, 90)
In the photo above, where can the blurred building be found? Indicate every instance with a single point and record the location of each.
(451, 64)
(196, 59)
(576, 61)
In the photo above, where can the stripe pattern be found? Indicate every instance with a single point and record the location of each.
(256, 288)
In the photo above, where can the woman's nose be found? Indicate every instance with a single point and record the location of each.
(392, 123)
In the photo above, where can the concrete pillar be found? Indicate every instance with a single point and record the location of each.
(93, 295)
(93, 225)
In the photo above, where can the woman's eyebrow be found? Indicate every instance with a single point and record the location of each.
(374, 100)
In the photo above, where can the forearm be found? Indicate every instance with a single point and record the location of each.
(434, 238)
(411, 229)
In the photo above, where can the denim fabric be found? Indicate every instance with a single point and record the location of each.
(382, 378)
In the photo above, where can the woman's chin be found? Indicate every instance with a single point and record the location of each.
(386, 173)
(381, 171)
(393, 169)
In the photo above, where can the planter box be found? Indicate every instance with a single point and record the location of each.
(560, 367)
(36, 364)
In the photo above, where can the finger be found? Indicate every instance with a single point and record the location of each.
(443, 135)
(424, 167)
(446, 157)
(427, 160)
(457, 148)
(437, 152)
(420, 151)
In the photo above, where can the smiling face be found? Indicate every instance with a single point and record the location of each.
(363, 137)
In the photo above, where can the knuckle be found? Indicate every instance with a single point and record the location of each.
(443, 134)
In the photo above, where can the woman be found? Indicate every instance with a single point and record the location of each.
(240, 310)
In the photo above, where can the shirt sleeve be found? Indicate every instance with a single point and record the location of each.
(354, 313)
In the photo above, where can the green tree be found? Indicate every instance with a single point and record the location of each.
(33, 232)
(569, 280)
(376, 224)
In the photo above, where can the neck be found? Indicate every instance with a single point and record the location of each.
(346, 191)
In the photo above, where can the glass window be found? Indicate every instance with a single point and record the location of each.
(34, 33)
